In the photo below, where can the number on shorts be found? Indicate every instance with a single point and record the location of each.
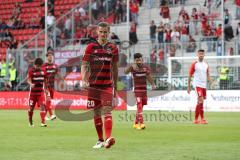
(90, 103)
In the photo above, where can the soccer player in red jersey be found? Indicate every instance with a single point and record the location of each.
(100, 73)
(140, 73)
(199, 70)
(51, 71)
(36, 79)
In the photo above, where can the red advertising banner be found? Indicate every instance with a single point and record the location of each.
(19, 100)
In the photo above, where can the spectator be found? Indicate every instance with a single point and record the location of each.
(191, 47)
(3, 25)
(175, 35)
(153, 56)
(16, 10)
(168, 32)
(10, 23)
(153, 29)
(165, 13)
(184, 34)
(238, 30)
(227, 17)
(50, 7)
(94, 9)
(42, 22)
(115, 38)
(133, 33)
(33, 23)
(3, 69)
(13, 76)
(134, 12)
(237, 3)
(194, 21)
(68, 27)
(118, 12)
(218, 32)
(160, 31)
(161, 56)
(50, 19)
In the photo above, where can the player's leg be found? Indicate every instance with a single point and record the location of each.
(197, 110)
(32, 103)
(99, 127)
(108, 106)
(144, 102)
(48, 105)
(138, 118)
(203, 121)
(41, 103)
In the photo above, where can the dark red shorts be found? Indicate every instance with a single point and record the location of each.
(37, 99)
(141, 97)
(51, 93)
(201, 92)
(98, 97)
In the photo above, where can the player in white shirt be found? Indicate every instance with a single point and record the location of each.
(200, 71)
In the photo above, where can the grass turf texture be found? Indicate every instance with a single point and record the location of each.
(165, 140)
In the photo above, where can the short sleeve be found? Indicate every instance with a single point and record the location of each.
(115, 54)
(192, 69)
(30, 73)
(148, 71)
(87, 53)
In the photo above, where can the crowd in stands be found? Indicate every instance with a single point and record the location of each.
(189, 28)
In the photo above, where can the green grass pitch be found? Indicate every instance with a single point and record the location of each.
(162, 140)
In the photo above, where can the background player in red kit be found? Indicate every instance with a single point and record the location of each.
(51, 71)
(36, 79)
(200, 72)
(141, 73)
(100, 72)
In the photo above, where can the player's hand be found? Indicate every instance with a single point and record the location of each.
(135, 67)
(153, 87)
(32, 85)
(85, 85)
(212, 85)
(189, 90)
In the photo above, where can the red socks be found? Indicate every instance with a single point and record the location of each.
(199, 111)
(48, 107)
(139, 116)
(108, 125)
(42, 115)
(98, 125)
(30, 115)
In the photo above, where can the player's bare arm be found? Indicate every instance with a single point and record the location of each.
(150, 80)
(128, 69)
(29, 81)
(189, 84)
(115, 74)
(85, 72)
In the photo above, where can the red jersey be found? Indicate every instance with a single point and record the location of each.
(140, 78)
(101, 59)
(51, 71)
(37, 77)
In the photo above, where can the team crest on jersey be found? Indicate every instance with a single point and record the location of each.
(109, 51)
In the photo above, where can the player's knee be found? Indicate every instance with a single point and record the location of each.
(42, 108)
(200, 100)
(31, 109)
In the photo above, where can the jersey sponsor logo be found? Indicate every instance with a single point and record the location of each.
(36, 73)
(102, 59)
(38, 78)
(140, 75)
